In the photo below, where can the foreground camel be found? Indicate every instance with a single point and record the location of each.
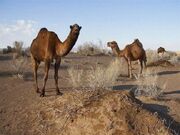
(46, 47)
(131, 52)
(161, 50)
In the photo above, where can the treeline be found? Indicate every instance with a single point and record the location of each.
(17, 48)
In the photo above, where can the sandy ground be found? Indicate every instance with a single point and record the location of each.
(17, 96)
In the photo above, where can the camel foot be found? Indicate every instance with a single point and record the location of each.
(42, 94)
(59, 93)
(37, 90)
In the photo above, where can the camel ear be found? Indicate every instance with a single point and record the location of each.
(80, 28)
(71, 26)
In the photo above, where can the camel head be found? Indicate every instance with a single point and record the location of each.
(112, 44)
(75, 29)
(136, 40)
(114, 47)
(161, 50)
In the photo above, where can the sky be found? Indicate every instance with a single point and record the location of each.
(154, 22)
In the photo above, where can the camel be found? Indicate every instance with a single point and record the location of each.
(131, 52)
(46, 47)
(161, 50)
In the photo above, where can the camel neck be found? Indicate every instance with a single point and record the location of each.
(65, 47)
(121, 53)
(116, 51)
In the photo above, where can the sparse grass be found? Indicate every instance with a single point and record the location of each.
(18, 45)
(98, 76)
(148, 85)
(76, 77)
(90, 49)
(153, 58)
(19, 65)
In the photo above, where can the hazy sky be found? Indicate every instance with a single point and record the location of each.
(155, 22)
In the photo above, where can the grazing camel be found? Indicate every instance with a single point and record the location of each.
(46, 47)
(131, 52)
(161, 50)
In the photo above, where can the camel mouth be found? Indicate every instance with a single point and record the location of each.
(76, 32)
(108, 44)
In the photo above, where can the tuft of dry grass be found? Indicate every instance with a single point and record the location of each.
(18, 46)
(148, 85)
(98, 76)
(19, 65)
(153, 58)
(76, 77)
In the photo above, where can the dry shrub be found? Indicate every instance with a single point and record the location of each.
(19, 64)
(90, 49)
(104, 77)
(148, 85)
(98, 76)
(175, 60)
(152, 56)
(76, 76)
(18, 46)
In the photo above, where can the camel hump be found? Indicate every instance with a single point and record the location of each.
(138, 42)
(43, 32)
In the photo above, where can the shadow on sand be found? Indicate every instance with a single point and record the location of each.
(168, 72)
(5, 57)
(162, 112)
(6, 74)
(125, 87)
(172, 92)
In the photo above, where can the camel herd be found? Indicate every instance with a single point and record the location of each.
(47, 46)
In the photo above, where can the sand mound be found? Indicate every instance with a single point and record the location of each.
(115, 113)
(85, 113)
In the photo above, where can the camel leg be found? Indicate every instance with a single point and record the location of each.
(35, 65)
(145, 66)
(47, 66)
(141, 66)
(130, 68)
(128, 65)
(56, 67)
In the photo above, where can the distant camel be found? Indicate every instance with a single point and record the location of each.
(131, 52)
(161, 50)
(46, 47)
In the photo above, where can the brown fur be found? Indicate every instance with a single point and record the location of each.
(161, 50)
(131, 52)
(46, 47)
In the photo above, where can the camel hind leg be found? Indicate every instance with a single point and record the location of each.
(141, 66)
(47, 66)
(35, 65)
(129, 68)
(56, 67)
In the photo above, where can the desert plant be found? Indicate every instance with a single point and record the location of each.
(18, 46)
(101, 77)
(76, 77)
(9, 49)
(19, 65)
(4, 51)
(98, 76)
(148, 85)
(90, 48)
(152, 56)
